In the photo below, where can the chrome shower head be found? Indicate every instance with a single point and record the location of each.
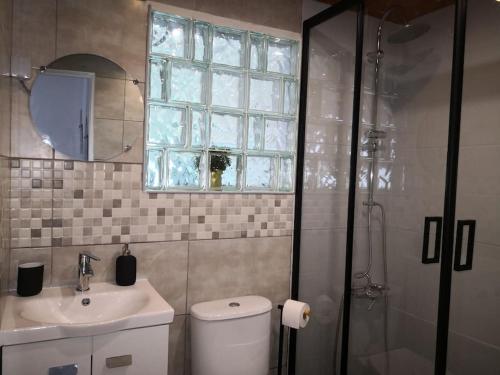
(408, 33)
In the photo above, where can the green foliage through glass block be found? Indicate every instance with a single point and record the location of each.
(225, 170)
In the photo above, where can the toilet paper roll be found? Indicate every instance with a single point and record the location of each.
(295, 314)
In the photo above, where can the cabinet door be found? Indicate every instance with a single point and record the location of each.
(142, 351)
(58, 357)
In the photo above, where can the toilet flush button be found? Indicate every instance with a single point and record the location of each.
(234, 304)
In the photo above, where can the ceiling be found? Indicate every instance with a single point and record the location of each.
(408, 9)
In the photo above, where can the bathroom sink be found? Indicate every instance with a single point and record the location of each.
(62, 312)
(66, 307)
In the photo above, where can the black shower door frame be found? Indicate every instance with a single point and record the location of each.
(451, 177)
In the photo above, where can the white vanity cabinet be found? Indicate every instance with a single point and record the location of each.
(140, 351)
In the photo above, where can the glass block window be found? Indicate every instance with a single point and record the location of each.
(221, 108)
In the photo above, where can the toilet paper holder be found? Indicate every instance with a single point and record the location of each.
(307, 314)
(280, 344)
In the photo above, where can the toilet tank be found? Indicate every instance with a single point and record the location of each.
(231, 336)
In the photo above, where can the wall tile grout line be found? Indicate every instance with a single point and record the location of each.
(146, 242)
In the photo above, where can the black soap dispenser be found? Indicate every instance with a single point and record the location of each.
(126, 268)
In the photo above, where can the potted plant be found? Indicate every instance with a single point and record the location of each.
(219, 161)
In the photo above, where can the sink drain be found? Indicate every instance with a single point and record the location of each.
(86, 301)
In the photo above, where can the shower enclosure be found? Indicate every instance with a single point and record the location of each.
(397, 227)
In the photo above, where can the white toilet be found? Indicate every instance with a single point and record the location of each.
(231, 336)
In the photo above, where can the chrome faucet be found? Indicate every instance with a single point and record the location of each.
(85, 271)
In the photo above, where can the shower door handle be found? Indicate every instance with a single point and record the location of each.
(458, 266)
(437, 242)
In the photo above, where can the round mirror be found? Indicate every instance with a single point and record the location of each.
(87, 107)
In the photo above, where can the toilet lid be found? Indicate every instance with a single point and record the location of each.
(231, 308)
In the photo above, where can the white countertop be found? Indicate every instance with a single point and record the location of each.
(58, 312)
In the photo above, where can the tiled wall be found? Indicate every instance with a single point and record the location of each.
(192, 247)
(65, 203)
(184, 273)
(282, 14)
(235, 244)
(4, 220)
(5, 114)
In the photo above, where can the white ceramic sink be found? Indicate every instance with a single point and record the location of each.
(64, 312)
(65, 307)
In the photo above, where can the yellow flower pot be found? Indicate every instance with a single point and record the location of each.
(216, 180)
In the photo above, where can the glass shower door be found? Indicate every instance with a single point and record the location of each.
(400, 191)
(328, 128)
(474, 326)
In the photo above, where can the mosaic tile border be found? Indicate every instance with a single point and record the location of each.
(214, 216)
(65, 203)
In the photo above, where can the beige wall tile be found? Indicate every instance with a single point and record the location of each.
(187, 356)
(281, 14)
(236, 267)
(5, 112)
(214, 216)
(34, 31)
(4, 222)
(164, 264)
(19, 256)
(5, 35)
(176, 345)
(97, 27)
(65, 263)
(188, 4)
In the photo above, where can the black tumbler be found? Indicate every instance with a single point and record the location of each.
(29, 279)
